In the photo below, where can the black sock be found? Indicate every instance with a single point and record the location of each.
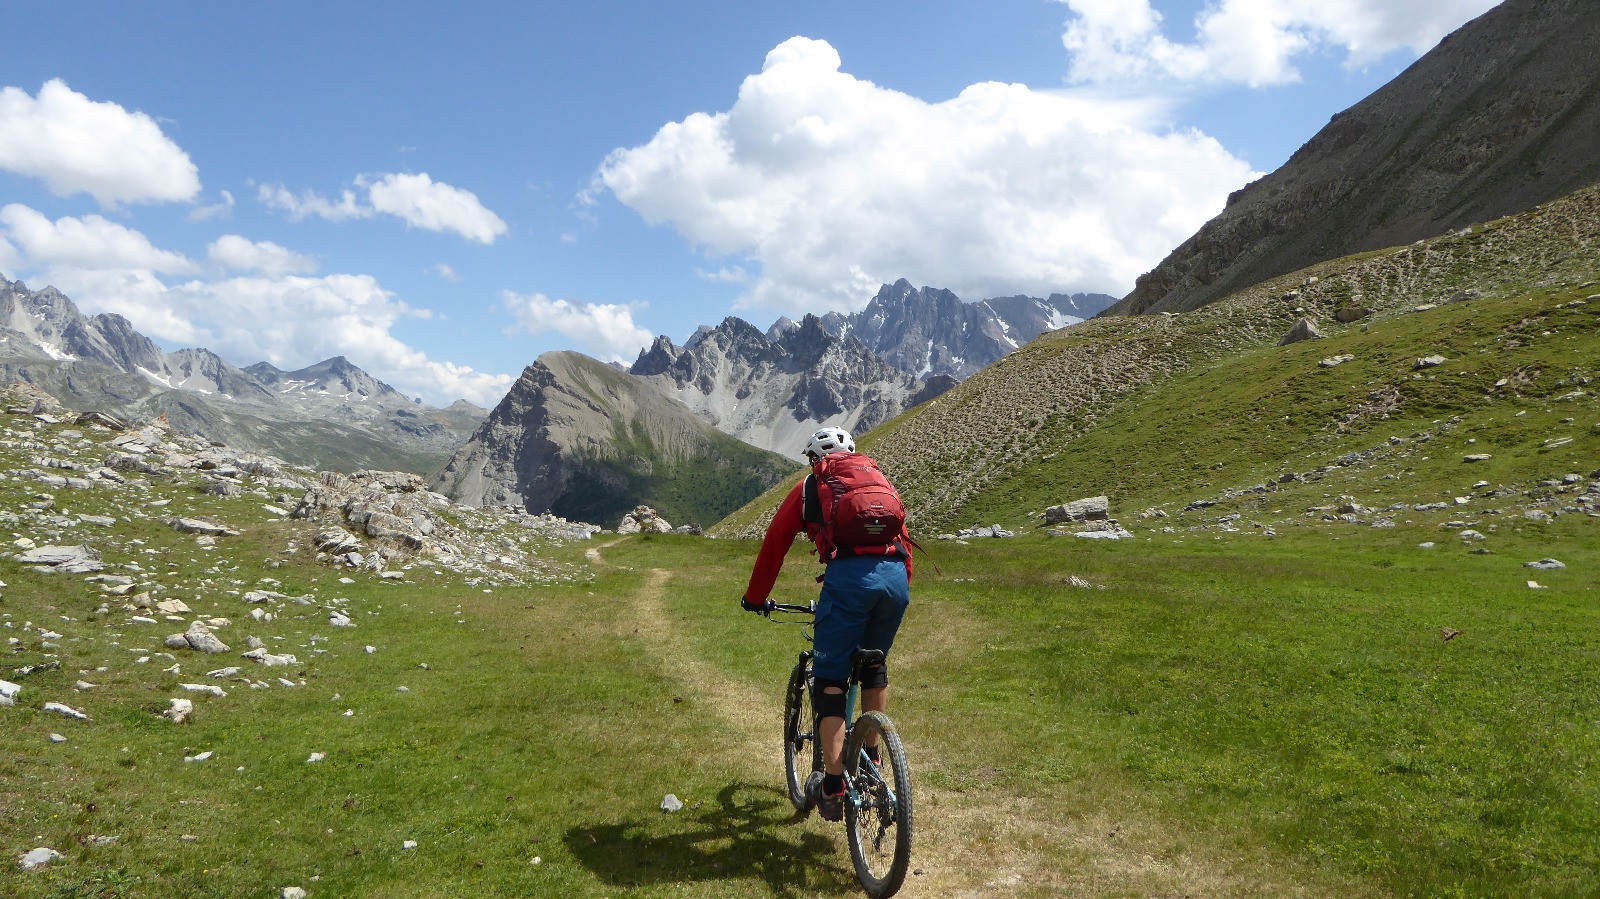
(872, 753)
(832, 783)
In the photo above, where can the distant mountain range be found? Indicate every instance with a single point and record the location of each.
(330, 415)
(854, 371)
(1504, 114)
(930, 331)
(580, 438)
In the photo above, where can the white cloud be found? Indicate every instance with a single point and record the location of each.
(835, 186)
(725, 275)
(309, 203)
(235, 253)
(435, 206)
(1251, 42)
(90, 242)
(77, 145)
(417, 200)
(286, 318)
(607, 331)
(214, 211)
(445, 271)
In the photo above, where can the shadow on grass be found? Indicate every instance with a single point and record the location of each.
(749, 833)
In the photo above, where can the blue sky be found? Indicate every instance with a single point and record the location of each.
(443, 192)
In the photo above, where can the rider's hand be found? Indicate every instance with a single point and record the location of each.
(761, 607)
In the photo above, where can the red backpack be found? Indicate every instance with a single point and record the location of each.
(859, 511)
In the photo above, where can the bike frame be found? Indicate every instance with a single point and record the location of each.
(851, 697)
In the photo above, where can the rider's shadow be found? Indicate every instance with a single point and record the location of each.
(750, 832)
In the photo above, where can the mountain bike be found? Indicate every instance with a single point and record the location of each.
(877, 800)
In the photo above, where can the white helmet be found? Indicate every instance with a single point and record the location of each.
(829, 440)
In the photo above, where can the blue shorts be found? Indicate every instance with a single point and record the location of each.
(863, 600)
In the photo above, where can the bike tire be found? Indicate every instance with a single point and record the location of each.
(879, 821)
(802, 754)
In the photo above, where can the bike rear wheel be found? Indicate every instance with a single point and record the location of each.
(802, 754)
(877, 813)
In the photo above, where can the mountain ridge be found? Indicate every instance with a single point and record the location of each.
(1502, 115)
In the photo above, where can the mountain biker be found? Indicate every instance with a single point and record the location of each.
(865, 591)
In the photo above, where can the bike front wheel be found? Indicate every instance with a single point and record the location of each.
(801, 752)
(877, 810)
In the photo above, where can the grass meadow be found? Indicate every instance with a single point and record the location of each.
(1214, 715)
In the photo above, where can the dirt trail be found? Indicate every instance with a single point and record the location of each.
(979, 842)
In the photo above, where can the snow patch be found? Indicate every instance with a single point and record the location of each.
(56, 353)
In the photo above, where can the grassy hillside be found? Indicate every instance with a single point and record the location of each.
(1161, 411)
(657, 454)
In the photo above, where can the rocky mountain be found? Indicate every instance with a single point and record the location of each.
(331, 415)
(1502, 115)
(580, 439)
(931, 331)
(773, 391)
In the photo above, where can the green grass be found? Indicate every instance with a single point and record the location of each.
(1284, 710)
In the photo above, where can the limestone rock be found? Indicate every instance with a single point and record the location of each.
(178, 710)
(201, 527)
(38, 858)
(643, 520)
(1094, 508)
(1304, 329)
(79, 559)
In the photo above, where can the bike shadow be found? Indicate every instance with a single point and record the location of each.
(749, 832)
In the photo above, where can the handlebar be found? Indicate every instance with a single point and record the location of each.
(808, 609)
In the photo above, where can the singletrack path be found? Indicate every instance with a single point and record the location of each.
(978, 842)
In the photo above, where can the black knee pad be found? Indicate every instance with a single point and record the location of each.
(830, 705)
(874, 677)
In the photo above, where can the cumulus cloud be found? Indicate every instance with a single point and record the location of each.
(90, 242)
(239, 254)
(607, 331)
(77, 145)
(835, 185)
(446, 271)
(272, 312)
(435, 206)
(417, 200)
(1251, 42)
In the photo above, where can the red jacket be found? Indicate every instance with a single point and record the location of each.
(786, 524)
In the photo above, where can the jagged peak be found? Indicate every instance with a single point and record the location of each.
(657, 358)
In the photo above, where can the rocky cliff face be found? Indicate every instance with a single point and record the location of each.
(931, 331)
(1503, 115)
(331, 414)
(582, 440)
(772, 390)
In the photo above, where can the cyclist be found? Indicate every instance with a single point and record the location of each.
(865, 591)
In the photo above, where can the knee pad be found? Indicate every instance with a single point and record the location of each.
(874, 677)
(830, 705)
